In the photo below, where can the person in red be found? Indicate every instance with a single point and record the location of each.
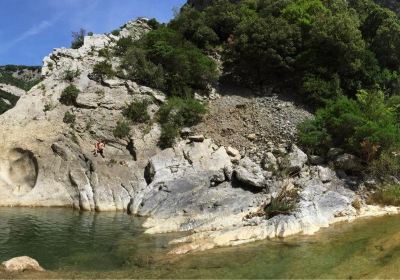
(99, 148)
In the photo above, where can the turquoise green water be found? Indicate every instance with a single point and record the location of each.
(112, 245)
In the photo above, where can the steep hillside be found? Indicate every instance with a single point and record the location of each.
(14, 81)
(23, 77)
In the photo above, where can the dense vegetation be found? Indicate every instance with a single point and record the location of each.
(7, 101)
(343, 57)
(7, 76)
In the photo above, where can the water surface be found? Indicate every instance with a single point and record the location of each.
(113, 245)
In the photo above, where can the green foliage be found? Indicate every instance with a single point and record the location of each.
(323, 48)
(284, 203)
(177, 113)
(105, 52)
(69, 118)
(103, 70)
(367, 126)
(78, 38)
(116, 32)
(11, 101)
(163, 59)
(153, 23)
(389, 195)
(122, 129)
(7, 76)
(69, 95)
(388, 164)
(137, 111)
(70, 75)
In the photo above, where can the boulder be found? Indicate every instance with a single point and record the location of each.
(325, 174)
(20, 264)
(296, 160)
(315, 160)
(269, 162)
(334, 152)
(348, 162)
(234, 154)
(250, 173)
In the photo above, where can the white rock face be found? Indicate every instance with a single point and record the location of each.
(20, 264)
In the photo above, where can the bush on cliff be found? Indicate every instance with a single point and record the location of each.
(69, 95)
(177, 113)
(165, 60)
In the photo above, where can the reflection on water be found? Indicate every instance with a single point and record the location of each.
(113, 245)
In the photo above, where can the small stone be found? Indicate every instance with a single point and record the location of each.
(325, 174)
(232, 152)
(197, 138)
(252, 136)
(348, 162)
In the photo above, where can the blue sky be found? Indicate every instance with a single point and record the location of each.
(30, 29)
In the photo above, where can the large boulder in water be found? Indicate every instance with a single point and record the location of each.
(19, 264)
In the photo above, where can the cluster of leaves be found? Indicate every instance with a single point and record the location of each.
(137, 111)
(69, 118)
(122, 129)
(367, 127)
(165, 60)
(284, 203)
(69, 95)
(102, 70)
(70, 75)
(323, 48)
(11, 101)
(175, 114)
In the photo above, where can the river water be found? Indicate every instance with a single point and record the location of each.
(112, 245)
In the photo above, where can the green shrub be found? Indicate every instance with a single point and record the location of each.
(103, 70)
(78, 38)
(169, 133)
(69, 118)
(122, 130)
(116, 32)
(137, 111)
(388, 164)
(175, 114)
(388, 195)
(163, 59)
(358, 126)
(105, 52)
(284, 203)
(69, 95)
(70, 75)
(153, 23)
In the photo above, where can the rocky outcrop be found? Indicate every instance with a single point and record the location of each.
(216, 194)
(20, 264)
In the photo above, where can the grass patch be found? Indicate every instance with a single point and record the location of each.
(389, 195)
(284, 203)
